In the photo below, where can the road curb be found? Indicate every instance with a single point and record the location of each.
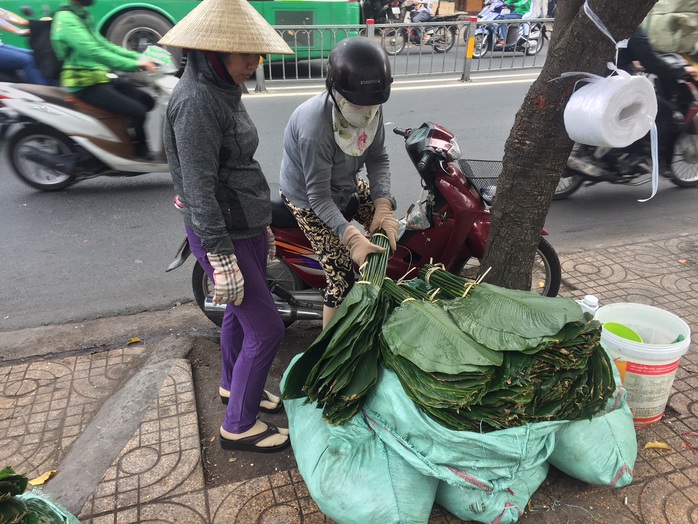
(114, 424)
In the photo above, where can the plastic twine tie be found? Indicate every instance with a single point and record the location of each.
(602, 27)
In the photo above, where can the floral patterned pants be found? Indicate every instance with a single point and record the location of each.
(333, 255)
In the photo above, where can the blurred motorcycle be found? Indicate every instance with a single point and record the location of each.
(55, 140)
(632, 165)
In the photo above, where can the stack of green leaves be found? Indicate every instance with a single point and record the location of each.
(341, 365)
(499, 358)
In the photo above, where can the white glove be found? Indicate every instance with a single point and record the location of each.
(383, 218)
(359, 246)
(229, 286)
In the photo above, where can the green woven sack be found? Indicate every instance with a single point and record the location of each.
(489, 461)
(603, 450)
(351, 475)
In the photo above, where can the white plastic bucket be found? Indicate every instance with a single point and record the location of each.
(647, 368)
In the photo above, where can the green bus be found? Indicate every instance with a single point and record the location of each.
(136, 24)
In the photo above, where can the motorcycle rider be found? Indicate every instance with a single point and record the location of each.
(15, 58)
(636, 58)
(424, 12)
(328, 139)
(210, 142)
(639, 56)
(518, 9)
(88, 59)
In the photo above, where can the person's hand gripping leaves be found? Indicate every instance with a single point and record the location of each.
(359, 246)
(383, 218)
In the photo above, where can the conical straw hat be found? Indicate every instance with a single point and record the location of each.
(228, 26)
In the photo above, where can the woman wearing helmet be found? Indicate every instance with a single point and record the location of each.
(328, 139)
(210, 142)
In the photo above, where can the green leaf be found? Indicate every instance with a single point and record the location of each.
(12, 511)
(426, 335)
(12, 483)
(512, 320)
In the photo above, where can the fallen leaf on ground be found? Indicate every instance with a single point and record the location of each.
(41, 479)
(657, 445)
(134, 340)
(682, 261)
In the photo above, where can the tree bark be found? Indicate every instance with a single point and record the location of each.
(538, 146)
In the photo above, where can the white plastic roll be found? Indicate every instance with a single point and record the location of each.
(614, 111)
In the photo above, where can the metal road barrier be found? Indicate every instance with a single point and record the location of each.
(453, 46)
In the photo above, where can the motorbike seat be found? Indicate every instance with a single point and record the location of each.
(84, 107)
(116, 123)
(53, 95)
(281, 216)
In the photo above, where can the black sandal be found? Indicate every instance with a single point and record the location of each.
(265, 397)
(250, 443)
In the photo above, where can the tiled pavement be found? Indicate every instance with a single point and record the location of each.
(45, 405)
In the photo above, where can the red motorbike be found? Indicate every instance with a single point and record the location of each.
(458, 197)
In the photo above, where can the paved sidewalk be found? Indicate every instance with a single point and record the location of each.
(120, 420)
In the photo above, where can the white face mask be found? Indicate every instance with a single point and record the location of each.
(354, 127)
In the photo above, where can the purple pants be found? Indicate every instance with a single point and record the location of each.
(251, 332)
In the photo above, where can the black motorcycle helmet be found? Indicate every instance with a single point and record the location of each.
(359, 69)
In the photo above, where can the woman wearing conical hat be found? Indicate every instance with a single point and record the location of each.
(210, 142)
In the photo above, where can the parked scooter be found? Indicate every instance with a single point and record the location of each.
(525, 37)
(56, 140)
(456, 222)
(632, 165)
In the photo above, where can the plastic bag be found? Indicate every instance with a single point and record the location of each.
(417, 217)
(44, 506)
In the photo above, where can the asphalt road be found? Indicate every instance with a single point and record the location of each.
(100, 248)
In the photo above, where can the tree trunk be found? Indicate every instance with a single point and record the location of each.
(538, 146)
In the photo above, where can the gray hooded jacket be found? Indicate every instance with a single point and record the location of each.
(210, 142)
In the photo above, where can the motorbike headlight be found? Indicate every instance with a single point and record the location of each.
(454, 152)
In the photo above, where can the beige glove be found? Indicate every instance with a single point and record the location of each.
(384, 218)
(272, 243)
(229, 286)
(359, 246)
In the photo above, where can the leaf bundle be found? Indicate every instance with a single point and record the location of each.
(341, 365)
(550, 367)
